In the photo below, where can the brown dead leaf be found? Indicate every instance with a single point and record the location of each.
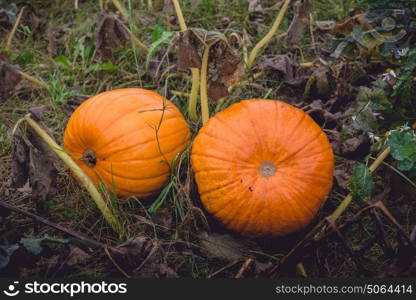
(299, 23)
(321, 114)
(38, 112)
(53, 36)
(73, 102)
(30, 19)
(9, 78)
(254, 6)
(20, 166)
(346, 27)
(188, 56)
(217, 89)
(109, 34)
(225, 66)
(325, 25)
(34, 160)
(225, 246)
(77, 256)
(290, 71)
(144, 258)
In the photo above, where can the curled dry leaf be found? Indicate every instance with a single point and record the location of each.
(34, 160)
(77, 256)
(188, 56)
(9, 78)
(30, 19)
(109, 34)
(144, 259)
(288, 69)
(254, 6)
(73, 102)
(299, 23)
(53, 35)
(321, 114)
(225, 246)
(325, 25)
(225, 65)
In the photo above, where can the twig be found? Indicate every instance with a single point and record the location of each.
(266, 39)
(115, 263)
(247, 263)
(231, 264)
(83, 178)
(13, 32)
(70, 232)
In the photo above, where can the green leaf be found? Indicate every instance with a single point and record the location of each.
(34, 245)
(6, 253)
(157, 33)
(24, 58)
(109, 67)
(403, 149)
(361, 182)
(62, 60)
(164, 39)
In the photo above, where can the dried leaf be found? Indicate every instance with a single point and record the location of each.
(109, 34)
(38, 111)
(300, 22)
(73, 102)
(217, 89)
(293, 74)
(9, 78)
(34, 160)
(325, 25)
(77, 256)
(254, 6)
(20, 163)
(30, 19)
(188, 56)
(144, 258)
(225, 246)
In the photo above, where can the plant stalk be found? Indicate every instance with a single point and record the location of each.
(266, 39)
(83, 178)
(13, 32)
(203, 80)
(195, 72)
(33, 79)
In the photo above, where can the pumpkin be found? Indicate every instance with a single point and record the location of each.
(127, 139)
(263, 167)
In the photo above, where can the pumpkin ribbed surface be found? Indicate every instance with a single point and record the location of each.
(127, 138)
(263, 167)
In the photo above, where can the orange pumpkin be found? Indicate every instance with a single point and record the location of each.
(127, 138)
(263, 167)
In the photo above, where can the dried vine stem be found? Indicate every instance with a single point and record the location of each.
(195, 72)
(204, 92)
(33, 79)
(79, 173)
(267, 38)
(13, 32)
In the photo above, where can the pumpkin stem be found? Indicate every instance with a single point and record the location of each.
(89, 158)
(267, 169)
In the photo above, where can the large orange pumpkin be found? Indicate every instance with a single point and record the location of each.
(263, 167)
(127, 138)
